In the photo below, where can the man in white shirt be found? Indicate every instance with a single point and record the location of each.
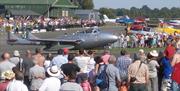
(52, 83)
(17, 84)
(82, 61)
(59, 59)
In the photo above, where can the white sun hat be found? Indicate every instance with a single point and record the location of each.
(53, 71)
(16, 53)
(154, 53)
(141, 50)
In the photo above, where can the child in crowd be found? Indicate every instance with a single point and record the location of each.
(85, 83)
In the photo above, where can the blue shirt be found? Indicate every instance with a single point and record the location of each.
(59, 60)
(122, 64)
(167, 68)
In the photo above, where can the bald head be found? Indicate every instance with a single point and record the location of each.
(112, 59)
(5, 56)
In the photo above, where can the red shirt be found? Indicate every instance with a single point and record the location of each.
(3, 85)
(176, 73)
(169, 51)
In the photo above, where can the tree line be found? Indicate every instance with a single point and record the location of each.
(133, 12)
(144, 11)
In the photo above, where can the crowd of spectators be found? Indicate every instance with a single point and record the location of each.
(50, 24)
(87, 71)
(158, 40)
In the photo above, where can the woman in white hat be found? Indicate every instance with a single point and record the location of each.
(153, 65)
(52, 83)
(7, 77)
(16, 57)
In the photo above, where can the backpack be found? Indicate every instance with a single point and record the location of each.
(20, 65)
(102, 79)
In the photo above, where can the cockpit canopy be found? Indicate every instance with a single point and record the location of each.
(91, 30)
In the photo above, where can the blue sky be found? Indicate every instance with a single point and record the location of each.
(136, 3)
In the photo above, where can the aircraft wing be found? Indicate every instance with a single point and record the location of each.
(56, 40)
(55, 47)
(31, 37)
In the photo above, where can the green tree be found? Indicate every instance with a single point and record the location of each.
(87, 4)
(109, 12)
(134, 12)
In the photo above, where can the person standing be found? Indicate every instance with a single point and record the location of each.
(153, 65)
(91, 62)
(176, 70)
(166, 73)
(8, 76)
(65, 67)
(39, 57)
(142, 55)
(27, 64)
(113, 74)
(82, 61)
(105, 56)
(51, 83)
(122, 64)
(140, 72)
(36, 76)
(5, 64)
(65, 52)
(71, 73)
(17, 84)
(48, 60)
(59, 59)
(16, 58)
(170, 50)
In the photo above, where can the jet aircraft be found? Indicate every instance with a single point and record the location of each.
(106, 19)
(125, 20)
(88, 39)
(174, 22)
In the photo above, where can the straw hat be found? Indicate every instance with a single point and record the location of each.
(8, 75)
(141, 51)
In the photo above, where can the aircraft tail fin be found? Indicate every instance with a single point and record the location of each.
(11, 36)
(105, 17)
(31, 36)
(127, 17)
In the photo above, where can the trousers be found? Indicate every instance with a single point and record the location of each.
(138, 87)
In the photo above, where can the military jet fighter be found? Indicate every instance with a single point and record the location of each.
(88, 39)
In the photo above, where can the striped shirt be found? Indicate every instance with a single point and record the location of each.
(122, 64)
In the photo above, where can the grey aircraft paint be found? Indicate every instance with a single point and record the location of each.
(88, 39)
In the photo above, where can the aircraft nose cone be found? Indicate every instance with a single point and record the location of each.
(114, 38)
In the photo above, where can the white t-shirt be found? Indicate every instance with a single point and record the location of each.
(153, 64)
(91, 64)
(47, 63)
(82, 62)
(50, 84)
(16, 85)
(71, 86)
